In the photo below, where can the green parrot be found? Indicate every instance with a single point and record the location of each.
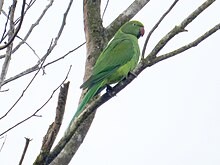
(115, 62)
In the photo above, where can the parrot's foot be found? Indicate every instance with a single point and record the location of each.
(108, 88)
(133, 74)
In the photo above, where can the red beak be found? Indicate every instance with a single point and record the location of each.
(142, 31)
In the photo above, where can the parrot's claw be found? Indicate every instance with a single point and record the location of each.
(108, 88)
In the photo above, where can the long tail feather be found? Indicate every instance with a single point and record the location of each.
(91, 92)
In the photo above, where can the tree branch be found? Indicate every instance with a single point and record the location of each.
(190, 45)
(177, 29)
(35, 113)
(1, 6)
(9, 46)
(54, 128)
(125, 16)
(155, 27)
(25, 150)
(17, 29)
(33, 25)
(26, 88)
(53, 45)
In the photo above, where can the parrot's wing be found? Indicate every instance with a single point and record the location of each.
(116, 54)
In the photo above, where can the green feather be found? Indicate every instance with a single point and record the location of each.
(91, 92)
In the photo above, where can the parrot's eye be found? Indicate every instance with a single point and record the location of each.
(134, 24)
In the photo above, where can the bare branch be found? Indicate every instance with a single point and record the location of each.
(23, 92)
(6, 23)
(190, 45)
(35, 67)
(17, 29)
(125, 16)
(3, 143)
(9, 46)
(105, 9)
(1, 6)
(30, 48)
(177, 29)
(54, 128)
(156, 25)
(25, 150)
(35, 113)
(34, 25)
(62, 57)
(29, 5)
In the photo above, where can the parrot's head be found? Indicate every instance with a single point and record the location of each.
(135, 28)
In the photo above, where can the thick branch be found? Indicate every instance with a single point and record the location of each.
(94, 32)
(95, 42)
(54, 128)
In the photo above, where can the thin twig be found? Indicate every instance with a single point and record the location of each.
(177, 29)
(30, 48)
(5, 90)
(156, 25)
(189, 45)
(17, 29)
(62, 57)
(31, 3)
(105, 9)
(23, 92)
(27, 141)
(35, 113)
(3, 143)
(6, 23)
(36, 67)
(34, 25)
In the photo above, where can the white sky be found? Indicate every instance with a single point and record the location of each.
(169, 115)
